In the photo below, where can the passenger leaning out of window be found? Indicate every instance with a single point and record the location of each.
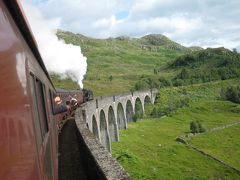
(58, 106)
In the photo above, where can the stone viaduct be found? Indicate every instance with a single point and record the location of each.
(105, 116)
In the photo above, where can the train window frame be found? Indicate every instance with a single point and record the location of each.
(42, 107)
(55, 106)
(39, 102)
(46, 104)
(51, 100)
(37, 124)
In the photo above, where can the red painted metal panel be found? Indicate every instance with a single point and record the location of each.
(17, 141)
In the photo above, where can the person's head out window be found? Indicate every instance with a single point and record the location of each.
(57, 100)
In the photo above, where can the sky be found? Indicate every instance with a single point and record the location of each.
(59, 57)
(205, 23)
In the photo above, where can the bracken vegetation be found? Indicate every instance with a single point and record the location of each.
(231, 93)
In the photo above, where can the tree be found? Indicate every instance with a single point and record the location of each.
(184, 74)
(201, 129)
(196, 127)
(231, 93)
(110, 78)
(155, 71)
(234, 50)
(163, 82)
(135, 117)
(154, 112)
(141, 84)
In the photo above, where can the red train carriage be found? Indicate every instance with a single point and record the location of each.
(28, 129)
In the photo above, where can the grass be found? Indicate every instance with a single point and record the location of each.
(159, 156)
(148, 150)
(125, 69)
(63, 83)
(224, 144)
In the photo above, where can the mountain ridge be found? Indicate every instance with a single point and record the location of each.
(145, 40)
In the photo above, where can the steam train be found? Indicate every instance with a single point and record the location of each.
(28, 124)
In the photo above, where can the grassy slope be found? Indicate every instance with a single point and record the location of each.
(160, 156)
(224, 144)
(123, 59)
(64, 83)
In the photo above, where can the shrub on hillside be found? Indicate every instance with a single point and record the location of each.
(110, 78)
(196, 127)
(149, 83)
(231, 93)
(163, 82)
(178, 82)
(169, 101)
(141, 84)
(160, 111)
(135, 118)
(184, 102)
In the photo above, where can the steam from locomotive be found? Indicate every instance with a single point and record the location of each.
(61, 58)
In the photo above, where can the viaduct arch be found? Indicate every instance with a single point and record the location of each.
(105, 116)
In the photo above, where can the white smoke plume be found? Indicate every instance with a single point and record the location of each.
(58, 57)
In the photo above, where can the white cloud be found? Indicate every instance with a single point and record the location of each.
(197, 22)
(58, 57)
(105, 23)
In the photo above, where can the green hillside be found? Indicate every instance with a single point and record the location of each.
(121, 64)
(148, 149)
(206, 65)
(194, 67)
(115, 64)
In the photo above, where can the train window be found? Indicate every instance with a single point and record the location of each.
(41, 107)
(35, 111)
(51, 99)
(46, 102)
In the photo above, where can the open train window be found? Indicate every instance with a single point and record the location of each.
(41, 106)
(51, 100)
(37, 123)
